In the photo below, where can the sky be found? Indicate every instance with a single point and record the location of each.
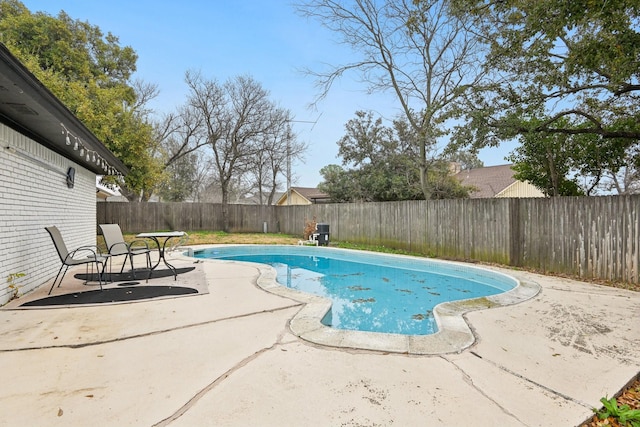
(222, 39)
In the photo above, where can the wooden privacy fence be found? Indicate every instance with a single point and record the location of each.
(139, 217)
(589, 237)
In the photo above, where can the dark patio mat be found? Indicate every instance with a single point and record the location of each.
(119, 294)
(141, 274)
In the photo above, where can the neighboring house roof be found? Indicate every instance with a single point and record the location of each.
(496, 181)
(308, 194)
(28, 107)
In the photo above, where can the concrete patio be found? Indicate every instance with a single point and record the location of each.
(228, 358)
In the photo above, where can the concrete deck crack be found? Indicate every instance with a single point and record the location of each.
(244, 362)
(467, 378)
(152, 333)
(544, 387)
(530, 381)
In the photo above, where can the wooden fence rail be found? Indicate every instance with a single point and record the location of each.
(589, 237)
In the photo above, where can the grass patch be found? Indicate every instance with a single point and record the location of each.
(221, 238)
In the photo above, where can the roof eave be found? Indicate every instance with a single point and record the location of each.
(31, 109)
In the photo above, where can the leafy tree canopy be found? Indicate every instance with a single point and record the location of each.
(91, 74)
(383, 165)
(559, 67)
(181, 179)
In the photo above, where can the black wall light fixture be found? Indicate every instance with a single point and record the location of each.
(71, 177)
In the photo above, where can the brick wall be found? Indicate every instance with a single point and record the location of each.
(34, 194)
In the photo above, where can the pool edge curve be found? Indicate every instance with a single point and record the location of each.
(453, 336)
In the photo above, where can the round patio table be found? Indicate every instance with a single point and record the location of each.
(156, 236)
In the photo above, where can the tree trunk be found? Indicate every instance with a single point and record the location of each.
(424, 171)
(225, 208)
(555, 182)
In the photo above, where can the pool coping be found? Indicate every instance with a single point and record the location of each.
(454, 333)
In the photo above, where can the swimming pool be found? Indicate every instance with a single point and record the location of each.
(369, 291)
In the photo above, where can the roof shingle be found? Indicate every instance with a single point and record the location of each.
(488, 181)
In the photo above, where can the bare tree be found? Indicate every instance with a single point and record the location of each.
(203, 166)
(237, 118)
(626, 180)
(181, 134)
(176, 136)
(278, 150)
(419, 51)
(145, 92)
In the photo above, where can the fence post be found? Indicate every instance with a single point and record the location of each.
(515, 235)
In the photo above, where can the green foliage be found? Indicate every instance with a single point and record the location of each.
(338, 184)
(553, 162)
(573, 63)
(546, 161)
(384, 165)
(624, 414)
(181, 180)
(90, 73)
(442, 184)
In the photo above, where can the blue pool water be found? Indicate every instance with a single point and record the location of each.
(371, 292)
